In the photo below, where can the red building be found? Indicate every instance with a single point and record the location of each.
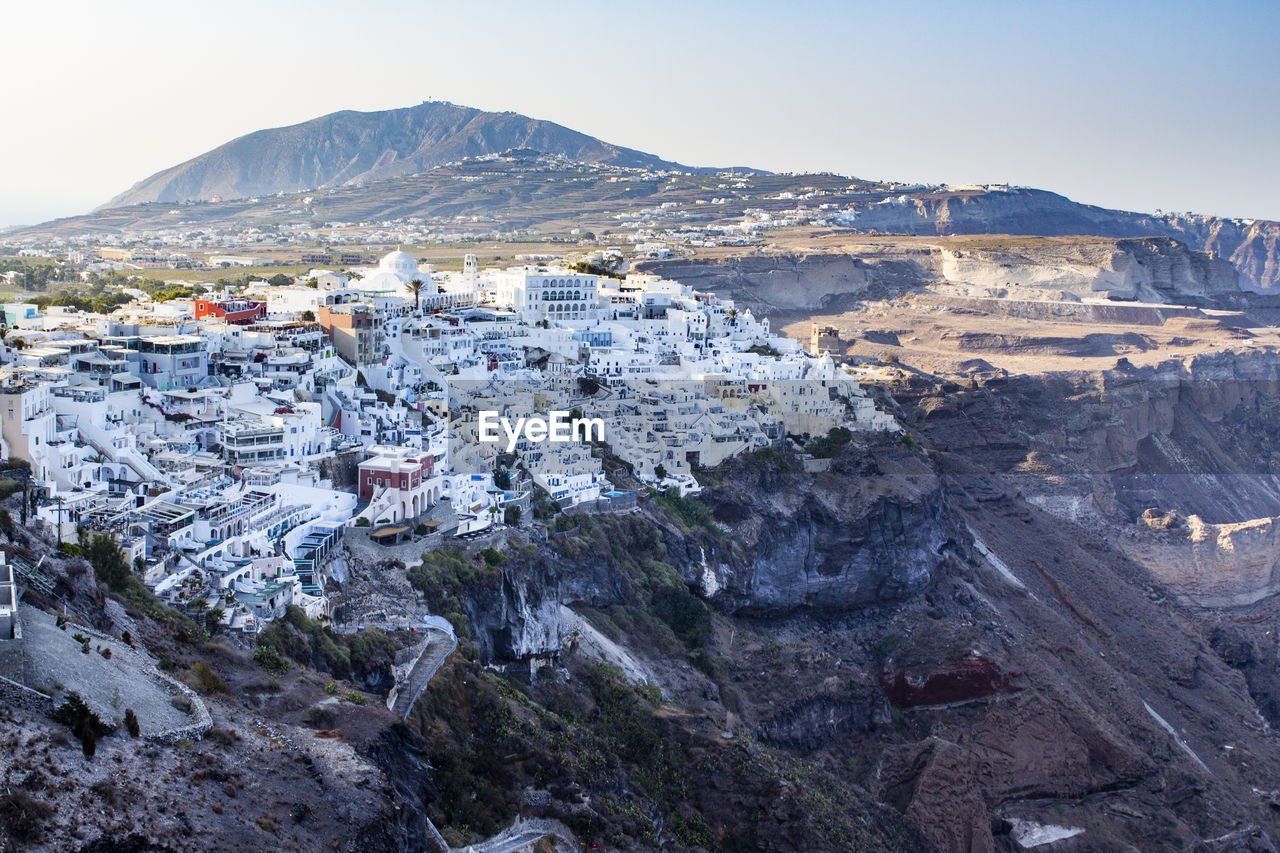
(398, 468)
(238, 312)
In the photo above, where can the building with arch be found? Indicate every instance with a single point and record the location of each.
(399, 482)
(548, 294)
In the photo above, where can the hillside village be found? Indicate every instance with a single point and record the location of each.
(511, 196)
(229, 442)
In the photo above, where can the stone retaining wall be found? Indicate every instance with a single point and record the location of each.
(194, 731)
(21, 696)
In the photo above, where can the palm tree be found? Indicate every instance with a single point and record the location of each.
(733, 316)
(98, 458)
(415, 287)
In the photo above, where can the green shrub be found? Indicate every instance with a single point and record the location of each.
(830, 445)
(307, 641)
(687, 508)
(363, 522)
(371, 649)
(270, 660)
(206, 680)
(650, 692)
(108, 561)
(684, 613)
(442, 576)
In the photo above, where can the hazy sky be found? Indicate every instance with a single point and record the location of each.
(1135, 105)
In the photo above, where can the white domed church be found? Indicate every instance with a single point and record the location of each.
(391, 275)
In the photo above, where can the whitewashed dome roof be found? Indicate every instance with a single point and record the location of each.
(400, 264)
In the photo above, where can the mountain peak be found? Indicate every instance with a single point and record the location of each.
(349, 147)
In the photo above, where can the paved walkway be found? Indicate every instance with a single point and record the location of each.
(523, 834)
(441, 641)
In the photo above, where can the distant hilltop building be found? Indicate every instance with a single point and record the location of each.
(826, 338)
(239, 261)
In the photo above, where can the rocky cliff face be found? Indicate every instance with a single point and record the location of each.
(516, 615)
(1250, 245)
(870, 532)
(1209, 565)
(982, 666)
(987, 633)
(1146, 270)
(802, 281)
(1047, 721)
(1155, 269)
(1195, 436)
(1178, 462)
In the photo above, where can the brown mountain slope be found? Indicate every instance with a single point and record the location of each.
(350, 147)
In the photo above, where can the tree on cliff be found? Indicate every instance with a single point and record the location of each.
(108, 561)
(76, 715)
